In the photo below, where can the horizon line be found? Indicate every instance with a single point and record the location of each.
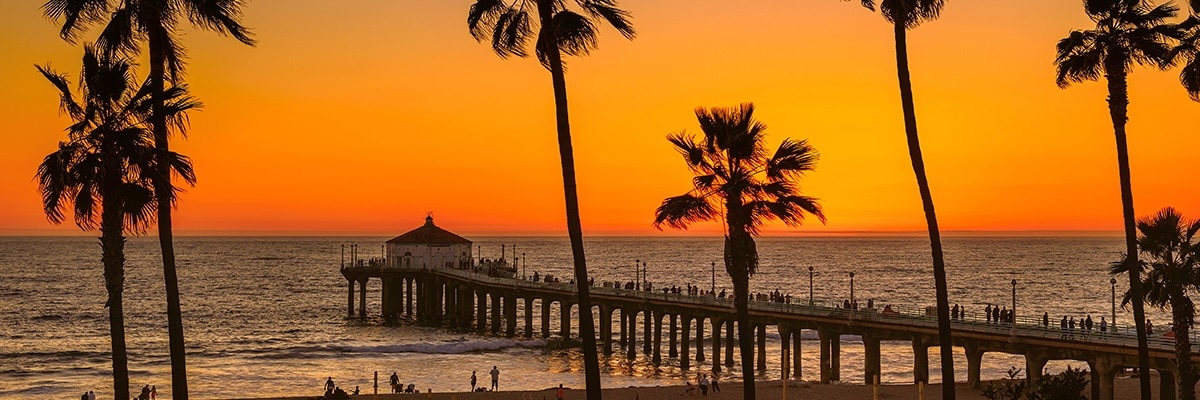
(814, 234)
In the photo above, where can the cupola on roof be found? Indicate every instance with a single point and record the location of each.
(429, 234)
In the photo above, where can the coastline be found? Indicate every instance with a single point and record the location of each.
(1124, 388)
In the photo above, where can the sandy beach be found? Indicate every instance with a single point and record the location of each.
(1125, 389)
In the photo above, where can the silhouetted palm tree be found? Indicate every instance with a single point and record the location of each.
(905, 15)
(129, 22)
(1127, 32)
(1171, 258)
(104, 171)
(559, 30)
(736, 175)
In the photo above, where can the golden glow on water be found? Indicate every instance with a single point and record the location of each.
(361, 119)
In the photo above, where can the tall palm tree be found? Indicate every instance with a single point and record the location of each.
(559, 30)
(1127, 32)
(905, 15)
(129, 22)
(1189, 50)
(107, 162)
(734, 173)
(1166, 239)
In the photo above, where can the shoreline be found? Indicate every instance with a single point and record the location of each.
(731, 390)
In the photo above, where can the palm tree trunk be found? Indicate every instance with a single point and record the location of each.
(1181, 312)
(935, 240)
(163, 192)
(112, 244)
(739, 256)
(587, 329)
(1118, 104)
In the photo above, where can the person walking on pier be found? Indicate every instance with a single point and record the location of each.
(1103, 325)
(1046, 320)
(495, 378)
(987, 311)
(1063, 327)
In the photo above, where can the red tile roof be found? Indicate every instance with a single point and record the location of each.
(429, 234)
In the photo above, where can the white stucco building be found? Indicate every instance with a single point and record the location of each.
(428, 247)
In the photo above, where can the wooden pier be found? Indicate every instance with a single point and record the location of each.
(466, 300)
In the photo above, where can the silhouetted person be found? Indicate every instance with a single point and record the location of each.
(988, 312)
(495, 378)
(329, 386)
(1103, 325)
(1046, 320)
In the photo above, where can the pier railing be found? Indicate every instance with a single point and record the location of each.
(1021, 327)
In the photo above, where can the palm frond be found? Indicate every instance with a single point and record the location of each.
(610, 12)
(76, 15)
(140, 206)
(910, 13)
(691, 150)
(1079, 58)
(511, 33)
(120, 35)
(680, 211)
(575, 34)
(54, 183)
(792, 159)
(221, 16)
(67, 103)
(482, 17)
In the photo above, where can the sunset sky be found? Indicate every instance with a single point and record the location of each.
(360, 117)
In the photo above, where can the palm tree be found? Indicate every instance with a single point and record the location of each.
(559, 30)
(735, 174)
(1172, 258)
(905, 15)
(1127, 32)
(129, 22)
(1189, 50)
(107, 162)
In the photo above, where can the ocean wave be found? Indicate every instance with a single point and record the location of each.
(457, 347)
(449, 347)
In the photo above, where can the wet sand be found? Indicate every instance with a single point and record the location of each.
(1125, 389)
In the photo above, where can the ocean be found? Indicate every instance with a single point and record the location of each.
(266, 316)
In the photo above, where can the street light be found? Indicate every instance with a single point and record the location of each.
(810, 286)
(851, 290)
(1113, 282)
(714, 278)
(644, 275)
(1012, 316)
(524, 263)
(637, 273)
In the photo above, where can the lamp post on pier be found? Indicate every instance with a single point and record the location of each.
(1113, 282)
(1012, 316)
(637, 274)
(852, 291)
(644, 279)
(714, 279)
(810, 286)
(524, 263)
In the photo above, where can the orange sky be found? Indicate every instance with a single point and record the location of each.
(362, 118)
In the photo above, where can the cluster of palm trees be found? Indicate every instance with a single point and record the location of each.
(117, 152)
(116, 164)
(1129, 33)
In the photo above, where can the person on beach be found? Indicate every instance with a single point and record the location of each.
(716, 388)
(394, 381)
(84, 397)
(704, 385)
(472, 381)
(559, 395)
(495, 378)
(153, 392)
(329, 386)
(691, 389)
